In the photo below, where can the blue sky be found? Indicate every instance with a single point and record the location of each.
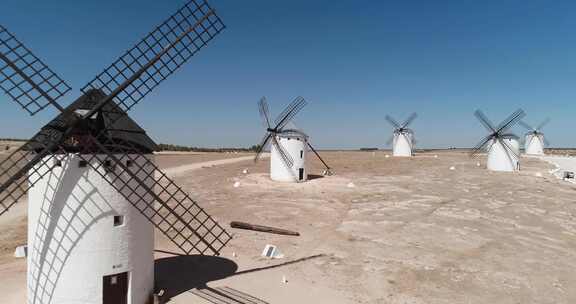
(354, 61)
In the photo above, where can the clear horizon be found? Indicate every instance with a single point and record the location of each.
(353, 63)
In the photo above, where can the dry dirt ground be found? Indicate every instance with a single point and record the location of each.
(173, 160)
(381, 230)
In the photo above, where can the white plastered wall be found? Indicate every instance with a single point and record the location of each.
(297, 148)
(534, 144)
(500, 159)
(73, 242)
(402, 144)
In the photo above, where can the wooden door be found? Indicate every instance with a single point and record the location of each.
(115, 289)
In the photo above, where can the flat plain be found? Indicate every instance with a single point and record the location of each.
(380, 230)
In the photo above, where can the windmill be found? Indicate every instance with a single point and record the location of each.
(503, 148)
(403, 138)
(289, 147)
(534, 141)
(95, 194)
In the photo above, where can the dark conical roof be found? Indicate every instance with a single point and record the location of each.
(122, 134)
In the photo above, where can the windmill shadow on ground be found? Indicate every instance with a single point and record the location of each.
(179, 274)
(182, 273)
(315, 176)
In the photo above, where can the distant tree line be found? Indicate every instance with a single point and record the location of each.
(11, 139)
(169, 147)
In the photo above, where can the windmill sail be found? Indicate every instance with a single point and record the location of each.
(281, 121)
(158, 198)
(130, 78)
(498, 140)
(96, 123)
(12, 192)
(158, 55)
(25, 78)
(495, 131)
(409, 120)
(15, 168)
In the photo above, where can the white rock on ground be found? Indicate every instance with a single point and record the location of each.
(21, 251)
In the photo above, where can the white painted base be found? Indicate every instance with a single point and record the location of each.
(74, 243)
(297, 148)
(402, 145)
(499, 159)
(534, 144)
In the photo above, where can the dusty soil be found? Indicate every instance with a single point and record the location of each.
(169, 160)
(9, 146)
(382, 230)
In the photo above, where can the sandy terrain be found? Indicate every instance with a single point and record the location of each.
(178, 159)
(382, 230)
(9, 146)
(182, 169)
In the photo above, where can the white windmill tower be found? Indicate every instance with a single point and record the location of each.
(402, 139)
(534, 140)
(94, 193)
(503, 148)
(289, 147)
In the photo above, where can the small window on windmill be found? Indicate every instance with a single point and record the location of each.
(568, 175)
(57, 163)
(83, 112)
(301, 153)
(118, 220)
(82, 164)
(108, 165)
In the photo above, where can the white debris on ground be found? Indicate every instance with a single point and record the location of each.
(245, 171)
(21, 251)
(236, 184)
(452, 168)
(350, 185)
(271, 251)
